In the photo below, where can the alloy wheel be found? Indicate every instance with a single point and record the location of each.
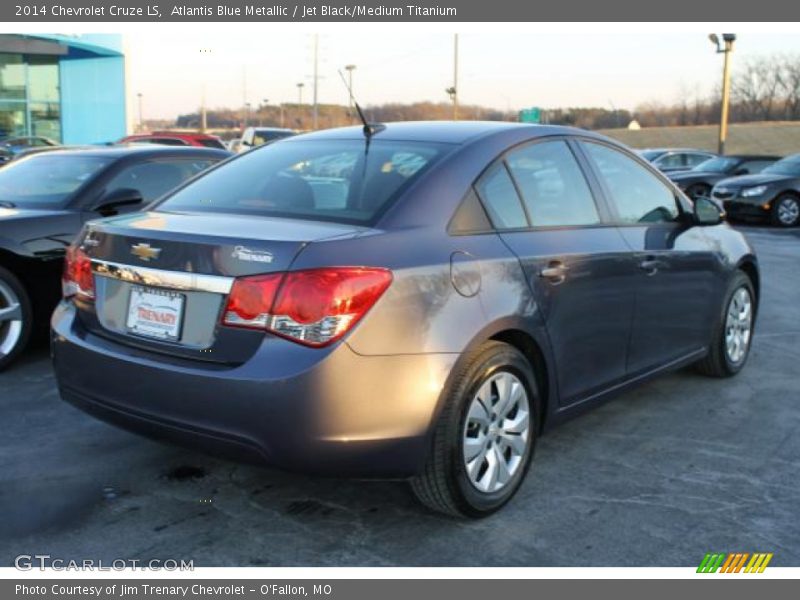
(738, 325)
(788, 211)
(10, 319)
(496, 432)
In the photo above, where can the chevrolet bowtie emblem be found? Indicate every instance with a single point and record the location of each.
(145, 251)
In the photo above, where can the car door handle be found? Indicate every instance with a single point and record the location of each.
(650, 265)
(555, 272)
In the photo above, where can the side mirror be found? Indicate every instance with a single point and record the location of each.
(108, 204)
(707, 212)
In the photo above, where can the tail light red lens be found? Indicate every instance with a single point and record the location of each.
(77, 279)
(314, 307)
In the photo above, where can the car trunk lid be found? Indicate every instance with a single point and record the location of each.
(162, 279)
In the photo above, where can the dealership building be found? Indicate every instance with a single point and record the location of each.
(70, 88)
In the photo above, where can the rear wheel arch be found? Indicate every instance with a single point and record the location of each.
(527, 345)
(749, 268)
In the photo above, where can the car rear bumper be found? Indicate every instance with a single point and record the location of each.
(337, 413)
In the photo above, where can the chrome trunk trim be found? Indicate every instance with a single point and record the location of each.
(175, 280)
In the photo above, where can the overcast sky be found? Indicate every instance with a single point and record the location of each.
(503, 71)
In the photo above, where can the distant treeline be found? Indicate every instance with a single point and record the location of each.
(762, 89)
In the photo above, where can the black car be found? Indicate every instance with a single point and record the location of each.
(44, 201)
(10, 147)
(669, 160)
(698, 182)
(772, 194)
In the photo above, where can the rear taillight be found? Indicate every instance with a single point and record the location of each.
(313, 307)
(77, 279)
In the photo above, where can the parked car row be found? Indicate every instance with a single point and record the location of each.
(746, 186)
(251, 137)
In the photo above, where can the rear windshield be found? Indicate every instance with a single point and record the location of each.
(47, 180)
(787, 166)
(333, 180)
(717, 165)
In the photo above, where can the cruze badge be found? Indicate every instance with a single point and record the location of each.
(145, 251)
(249, 255)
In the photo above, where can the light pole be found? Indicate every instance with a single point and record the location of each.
(350, 69)
(264, 102)
(725, 48)
(141, 121)
(315, 112)
(246, 114)
(454, 90)
(300, 87)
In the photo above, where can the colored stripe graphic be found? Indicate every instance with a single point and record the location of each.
(733, 562)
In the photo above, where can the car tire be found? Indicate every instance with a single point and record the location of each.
(16, 318)
(735, 321)
(786, 211)
(699, 190)
(469, 428)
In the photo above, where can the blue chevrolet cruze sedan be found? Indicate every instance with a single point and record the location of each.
(411, 300)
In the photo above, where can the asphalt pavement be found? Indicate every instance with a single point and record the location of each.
(681, 466)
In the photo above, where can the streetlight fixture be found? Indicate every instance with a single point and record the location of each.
(141, 121)
(726, 48)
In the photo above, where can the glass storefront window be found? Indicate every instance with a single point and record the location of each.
(43, 79)
(13, 119)
(30, 98)
(46, 120)
(12, 77)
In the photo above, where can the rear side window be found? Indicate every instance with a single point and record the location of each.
(552, 185)
(636, 193)
(334, 180)
(692, 160)
(496, 190)
(672, 161)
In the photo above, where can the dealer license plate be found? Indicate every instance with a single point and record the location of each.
(155, 313)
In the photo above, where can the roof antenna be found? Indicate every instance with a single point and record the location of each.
(370, 129)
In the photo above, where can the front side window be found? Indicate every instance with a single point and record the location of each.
(496, 190)
(552, 185)
(47, 180)
(755, 166)
(153, 179)
(334, 180)
(637, 194)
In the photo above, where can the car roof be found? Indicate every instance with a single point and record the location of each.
(752, 157)
(117, 151)
(449, 132)
(674, 150)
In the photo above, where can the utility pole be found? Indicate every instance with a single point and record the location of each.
(141, 121)
(315, 113)
(300, 93)
(350, 69)
(244, 93)
(728, 39)
(455, 77)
